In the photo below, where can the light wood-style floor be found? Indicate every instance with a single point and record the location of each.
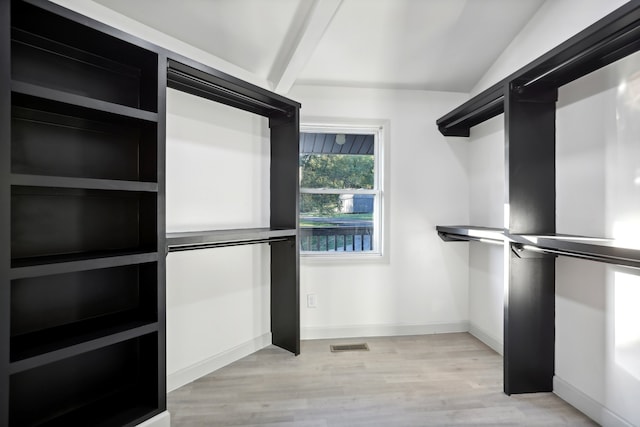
(427, 380)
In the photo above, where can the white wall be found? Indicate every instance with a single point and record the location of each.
(486, 208)
(598, 190)
(421, 286)
(217, 178)
(597, 339)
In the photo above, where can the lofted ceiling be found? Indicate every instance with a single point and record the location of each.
(443, 45)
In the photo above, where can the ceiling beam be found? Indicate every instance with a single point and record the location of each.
(285, 73)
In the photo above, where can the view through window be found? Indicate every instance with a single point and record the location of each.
(340, 195)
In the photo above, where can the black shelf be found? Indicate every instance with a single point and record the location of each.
(55, 95)
(39, 349)
(112, 385)
(232, 237)
(82, 183)
(471, 233)
(608, 40)
(43, 266)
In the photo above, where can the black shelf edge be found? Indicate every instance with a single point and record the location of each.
(82, 183)
(81, 101)
(45, 266)
(218, 238)
(122, 408)
(466, 233)
(200, 80)
(583, 247)
(608, 40)
(478, 109)
(82, 344)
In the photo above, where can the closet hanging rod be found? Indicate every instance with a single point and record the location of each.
(196, 246)
(179, 76)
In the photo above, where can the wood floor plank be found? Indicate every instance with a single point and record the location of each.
(426, 380)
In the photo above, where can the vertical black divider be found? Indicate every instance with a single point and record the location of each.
(285, 260)
(285, 309)
(529, 307)
(162, 232)
(5, 210)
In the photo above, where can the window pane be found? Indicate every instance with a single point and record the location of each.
(337, 160)
(336, 222)
(337, 171)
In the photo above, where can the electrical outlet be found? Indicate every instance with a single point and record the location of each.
(312, 301)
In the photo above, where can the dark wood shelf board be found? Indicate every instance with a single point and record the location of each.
(452, 233)
(44, 266)
(41, 348)
(608, 40)
(81, 101)
(82, 183)
(232, 237)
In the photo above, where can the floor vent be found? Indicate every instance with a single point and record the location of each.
(349, 347)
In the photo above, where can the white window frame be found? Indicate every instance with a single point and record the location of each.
(378, 130)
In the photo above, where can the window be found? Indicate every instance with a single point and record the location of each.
(340, 190)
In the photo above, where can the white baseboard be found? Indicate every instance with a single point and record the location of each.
(483, 336)
(331, 332)
(588, 406)
(186, 375)
(160, 420)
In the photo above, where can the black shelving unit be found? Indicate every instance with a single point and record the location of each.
(282, 234)
(82, 216)
(82, 229)
(528, 100)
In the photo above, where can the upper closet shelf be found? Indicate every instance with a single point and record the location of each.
(81, 101)
(611, 38)
(218, 238)
(199, 80)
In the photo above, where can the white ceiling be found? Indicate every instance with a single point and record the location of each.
(416, 44)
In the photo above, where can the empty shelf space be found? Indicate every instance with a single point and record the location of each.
(471, 233)
(81, 296)
(216, 238)
(82, 183)
(49, 345)
(80, 222)
(113, 385)
(55, 139)
(80, 60)
(23, 88)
